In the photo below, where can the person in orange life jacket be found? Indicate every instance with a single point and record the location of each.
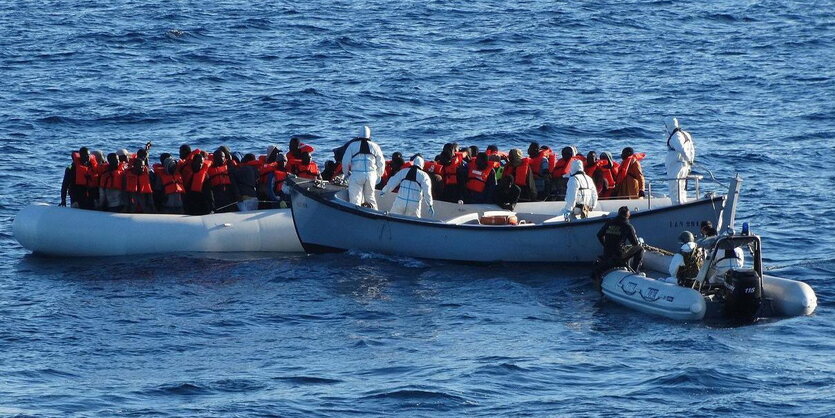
(124, 156)
(630, 179)
(450, 162)
(539, 162)
(294, 154)
(245, 176)
(581, 193)
(307, 168)
(268, 165)
(591, 163)
(520, 169)
(80, 181)
(275, 185)
(138, 188)
(156, 184)
(101, 167)
(481, 180)
(392, 167)
(559, 175)
(198, 196)
(224, 193)
(172, 186)
(472, 152)
(506, 195)
(604, 175)
(111, 185)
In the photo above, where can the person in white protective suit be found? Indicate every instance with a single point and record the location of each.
(685, 264)
(415, 190)
(580, 193)
(681, 153)
(725, 261)
(364, 162)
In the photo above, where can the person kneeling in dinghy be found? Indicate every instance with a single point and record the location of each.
(615, 234)
(685, 265)
(581, 193)
(415, 187)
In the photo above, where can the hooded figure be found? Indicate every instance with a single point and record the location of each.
(685, 264)
(415, 187)
(365, 164)
(680, 156)
(581, 193)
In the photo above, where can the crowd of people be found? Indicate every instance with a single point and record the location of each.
(198, 182)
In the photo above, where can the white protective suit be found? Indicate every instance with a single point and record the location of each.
(412, 192)
(365, 170)
(681, 153)
(678, 260)
(580, 189)
(727, 262)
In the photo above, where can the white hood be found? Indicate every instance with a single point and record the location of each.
(688, 247)
(671, 124)
(576, 165)
(365, 132)
(418, 162)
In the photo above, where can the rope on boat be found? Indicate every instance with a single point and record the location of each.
(656, 250)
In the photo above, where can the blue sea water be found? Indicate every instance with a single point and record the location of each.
(355, 333)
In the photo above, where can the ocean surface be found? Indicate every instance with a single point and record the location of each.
(365, 334)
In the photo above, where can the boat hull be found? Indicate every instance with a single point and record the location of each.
(59, 231)
(653, 297)
(326, 223)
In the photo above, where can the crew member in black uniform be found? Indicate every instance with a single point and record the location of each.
(615, 234)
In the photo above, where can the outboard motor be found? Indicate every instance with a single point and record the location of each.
(743, 296)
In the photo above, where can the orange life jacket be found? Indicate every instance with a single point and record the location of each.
(112, 179)
(623, 171)
(197, 179)
(477, 179)
(219, 176)
(309, 171)
(280, 176)
(138, 183)
(536, 162)
(171, 183)
(520, 173)
(450, 171)
(85, 175)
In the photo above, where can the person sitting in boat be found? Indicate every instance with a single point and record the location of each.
(727, 259)
(415, 190)
(306, 168)
(138, 189)
(580, 195)
(364, 162)
(630, 180)
(168, 184)
(392, 167)
(541, 160)
(604, 175)
(687, 261)
(80, 181)
(680, 156)
(449, 162)
(224, 193)
(481, 180)
(111, 186)
(621, 246)
(520, 169)
(245, 176)
(198, 197)
(275, 185)
(559, 174)
(506, 195)
(294, 154)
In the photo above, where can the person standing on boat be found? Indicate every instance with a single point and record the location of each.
(111, 186)
(581, 193)
(80, 181)
(415, 190)
(620, 242)
(630, 179)
(365, 162)
(681, 153)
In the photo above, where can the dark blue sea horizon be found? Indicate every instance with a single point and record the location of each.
(365, 334)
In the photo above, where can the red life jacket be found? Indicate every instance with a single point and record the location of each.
(623, 171)
(85, 175)
(338, 169)
(112, 179)
(450, 171)
(219, 176)
(609, 174)
(280, 176)
(309, 171)
(432, 167)
(536, 162)
(138, 183)
(520, 173)
(477, 179)
(171, 183)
